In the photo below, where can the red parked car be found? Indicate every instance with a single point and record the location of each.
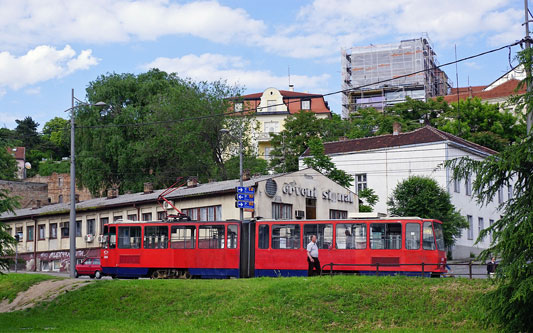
(91, 267)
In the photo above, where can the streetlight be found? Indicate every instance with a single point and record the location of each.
(72, 222)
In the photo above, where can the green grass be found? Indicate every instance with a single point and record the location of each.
(337, 303)
(11, 284)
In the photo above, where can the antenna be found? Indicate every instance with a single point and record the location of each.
(289, 72)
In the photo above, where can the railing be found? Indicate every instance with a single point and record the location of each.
(471, 271)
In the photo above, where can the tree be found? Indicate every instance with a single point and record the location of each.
(251, 163)
(322, 163)
(7, 204)
(8, 165)
(26, 132)
(158, 127)
(57, 132)
(371, 199)
(423, 197)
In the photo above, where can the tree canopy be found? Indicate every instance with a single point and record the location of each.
(423, 197)
(322, 163)
(8, 164)
(7, 204)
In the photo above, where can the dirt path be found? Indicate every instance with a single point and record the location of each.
(44, 291)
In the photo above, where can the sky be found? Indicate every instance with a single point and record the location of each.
(49, 47)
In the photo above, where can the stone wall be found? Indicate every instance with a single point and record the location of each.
(59, 187)
(30, 193)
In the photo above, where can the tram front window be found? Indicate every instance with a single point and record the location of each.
(439, 235)
(428, 239)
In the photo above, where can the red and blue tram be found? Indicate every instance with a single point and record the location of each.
(168, 249)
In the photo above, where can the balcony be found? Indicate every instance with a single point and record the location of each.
(264, 136)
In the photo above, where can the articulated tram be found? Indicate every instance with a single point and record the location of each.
(224, 249)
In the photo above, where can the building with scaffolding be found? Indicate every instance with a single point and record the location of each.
(382, 75)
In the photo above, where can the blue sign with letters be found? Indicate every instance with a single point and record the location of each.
(244, 197)
(244, 204)
(245, 190)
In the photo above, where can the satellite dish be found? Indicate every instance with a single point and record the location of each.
(27, 165)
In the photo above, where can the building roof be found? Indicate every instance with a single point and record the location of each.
(503, 90)
(226, 186)
(18, 152)
(426, 134)
(291, 98)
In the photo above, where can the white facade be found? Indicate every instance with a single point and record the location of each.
(384, 168)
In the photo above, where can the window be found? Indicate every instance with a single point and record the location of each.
(271, 126)
(60, 182)
(386, 236)
(271, 105)
(78, 228)
(42, 229)
(20, 233)
(470, 220)
(210, 213)
(286, 236)
(263, 236)
(412, 236)
(351, 236)
(360, 182)
(129, 237)
(509, 192)
(428, 239)
(65, 229)
(268, 151)
(457, 185)
(468, 185)
(29, 233)
(323, 232)
(491, 222)
(306, 104)
(103, 221)
(132, 217)
(232, 236)
(183, 237)
(90, 227)
(161, 216)
(480, 225)
(238, 107)
(112, 236)
(500, 194)
(211, 237)
(60, 199)
(338, 214)
(156, 237)
(281, 211)
(53, 230)
(439, 235)
(116, 218)
(147, 216)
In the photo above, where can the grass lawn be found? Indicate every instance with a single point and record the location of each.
(336, 303)
(11, 284)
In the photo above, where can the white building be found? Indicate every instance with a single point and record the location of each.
(382, 162)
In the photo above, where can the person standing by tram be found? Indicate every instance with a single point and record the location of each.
(312, 257)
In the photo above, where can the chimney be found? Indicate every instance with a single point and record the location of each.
(192, 182)
(396, 128)
(245, 175)
(36, 204)
(112, 193)
(148, 188)
(291, 87)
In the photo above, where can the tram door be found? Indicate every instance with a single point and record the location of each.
(247, 257)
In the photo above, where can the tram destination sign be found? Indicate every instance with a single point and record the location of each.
(244, 204)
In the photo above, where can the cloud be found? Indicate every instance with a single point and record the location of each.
(40, 64)
(28, 22)
(212, 67)
(33, 91)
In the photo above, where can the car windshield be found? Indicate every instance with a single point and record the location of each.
(439, 235)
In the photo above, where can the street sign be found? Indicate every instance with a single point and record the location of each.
(244, 204)
(245, 190)
(244, 197)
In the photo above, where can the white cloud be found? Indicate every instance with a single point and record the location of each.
(40, 64)
(24, 23)
(33, 91)
(234, 70)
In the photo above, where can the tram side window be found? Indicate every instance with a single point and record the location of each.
(386, 236)
(323, 232)
(183, 237)
(129, 237)
(439, 234)
(286, 236)
(232, 236)
(351, 236)
(263, 236)
(412, 236)
(112, 236)
(428, 239)
(156, 237)
(211, 237)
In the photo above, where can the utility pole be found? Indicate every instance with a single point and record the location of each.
(529, 114)
(72, 220)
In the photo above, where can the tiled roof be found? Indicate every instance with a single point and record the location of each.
(18, 152)
(291, 99)
(422, 135)
(284, 93)
(503, 90)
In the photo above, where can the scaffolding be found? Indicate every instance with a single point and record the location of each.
(365, 67)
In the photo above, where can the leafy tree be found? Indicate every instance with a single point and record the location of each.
(423, 197)
(26, 132)
(251, 163)
(57, 132)
(8, 165)
(416, 113)
(371, 199)
(322, 163)
(7, 204)
(368, 122)
(116, 146)
(509, 304)
(46, 168)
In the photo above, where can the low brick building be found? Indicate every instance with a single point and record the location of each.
(59, 188)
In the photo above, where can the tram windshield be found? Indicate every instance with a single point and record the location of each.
(439, 235)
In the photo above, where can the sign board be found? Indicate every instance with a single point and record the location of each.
(244, 197)
(244, 204)
(245, 190)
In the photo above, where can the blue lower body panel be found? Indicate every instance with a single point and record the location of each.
(215, 273)
(390, 273)
(125, 271)
(280, 272)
